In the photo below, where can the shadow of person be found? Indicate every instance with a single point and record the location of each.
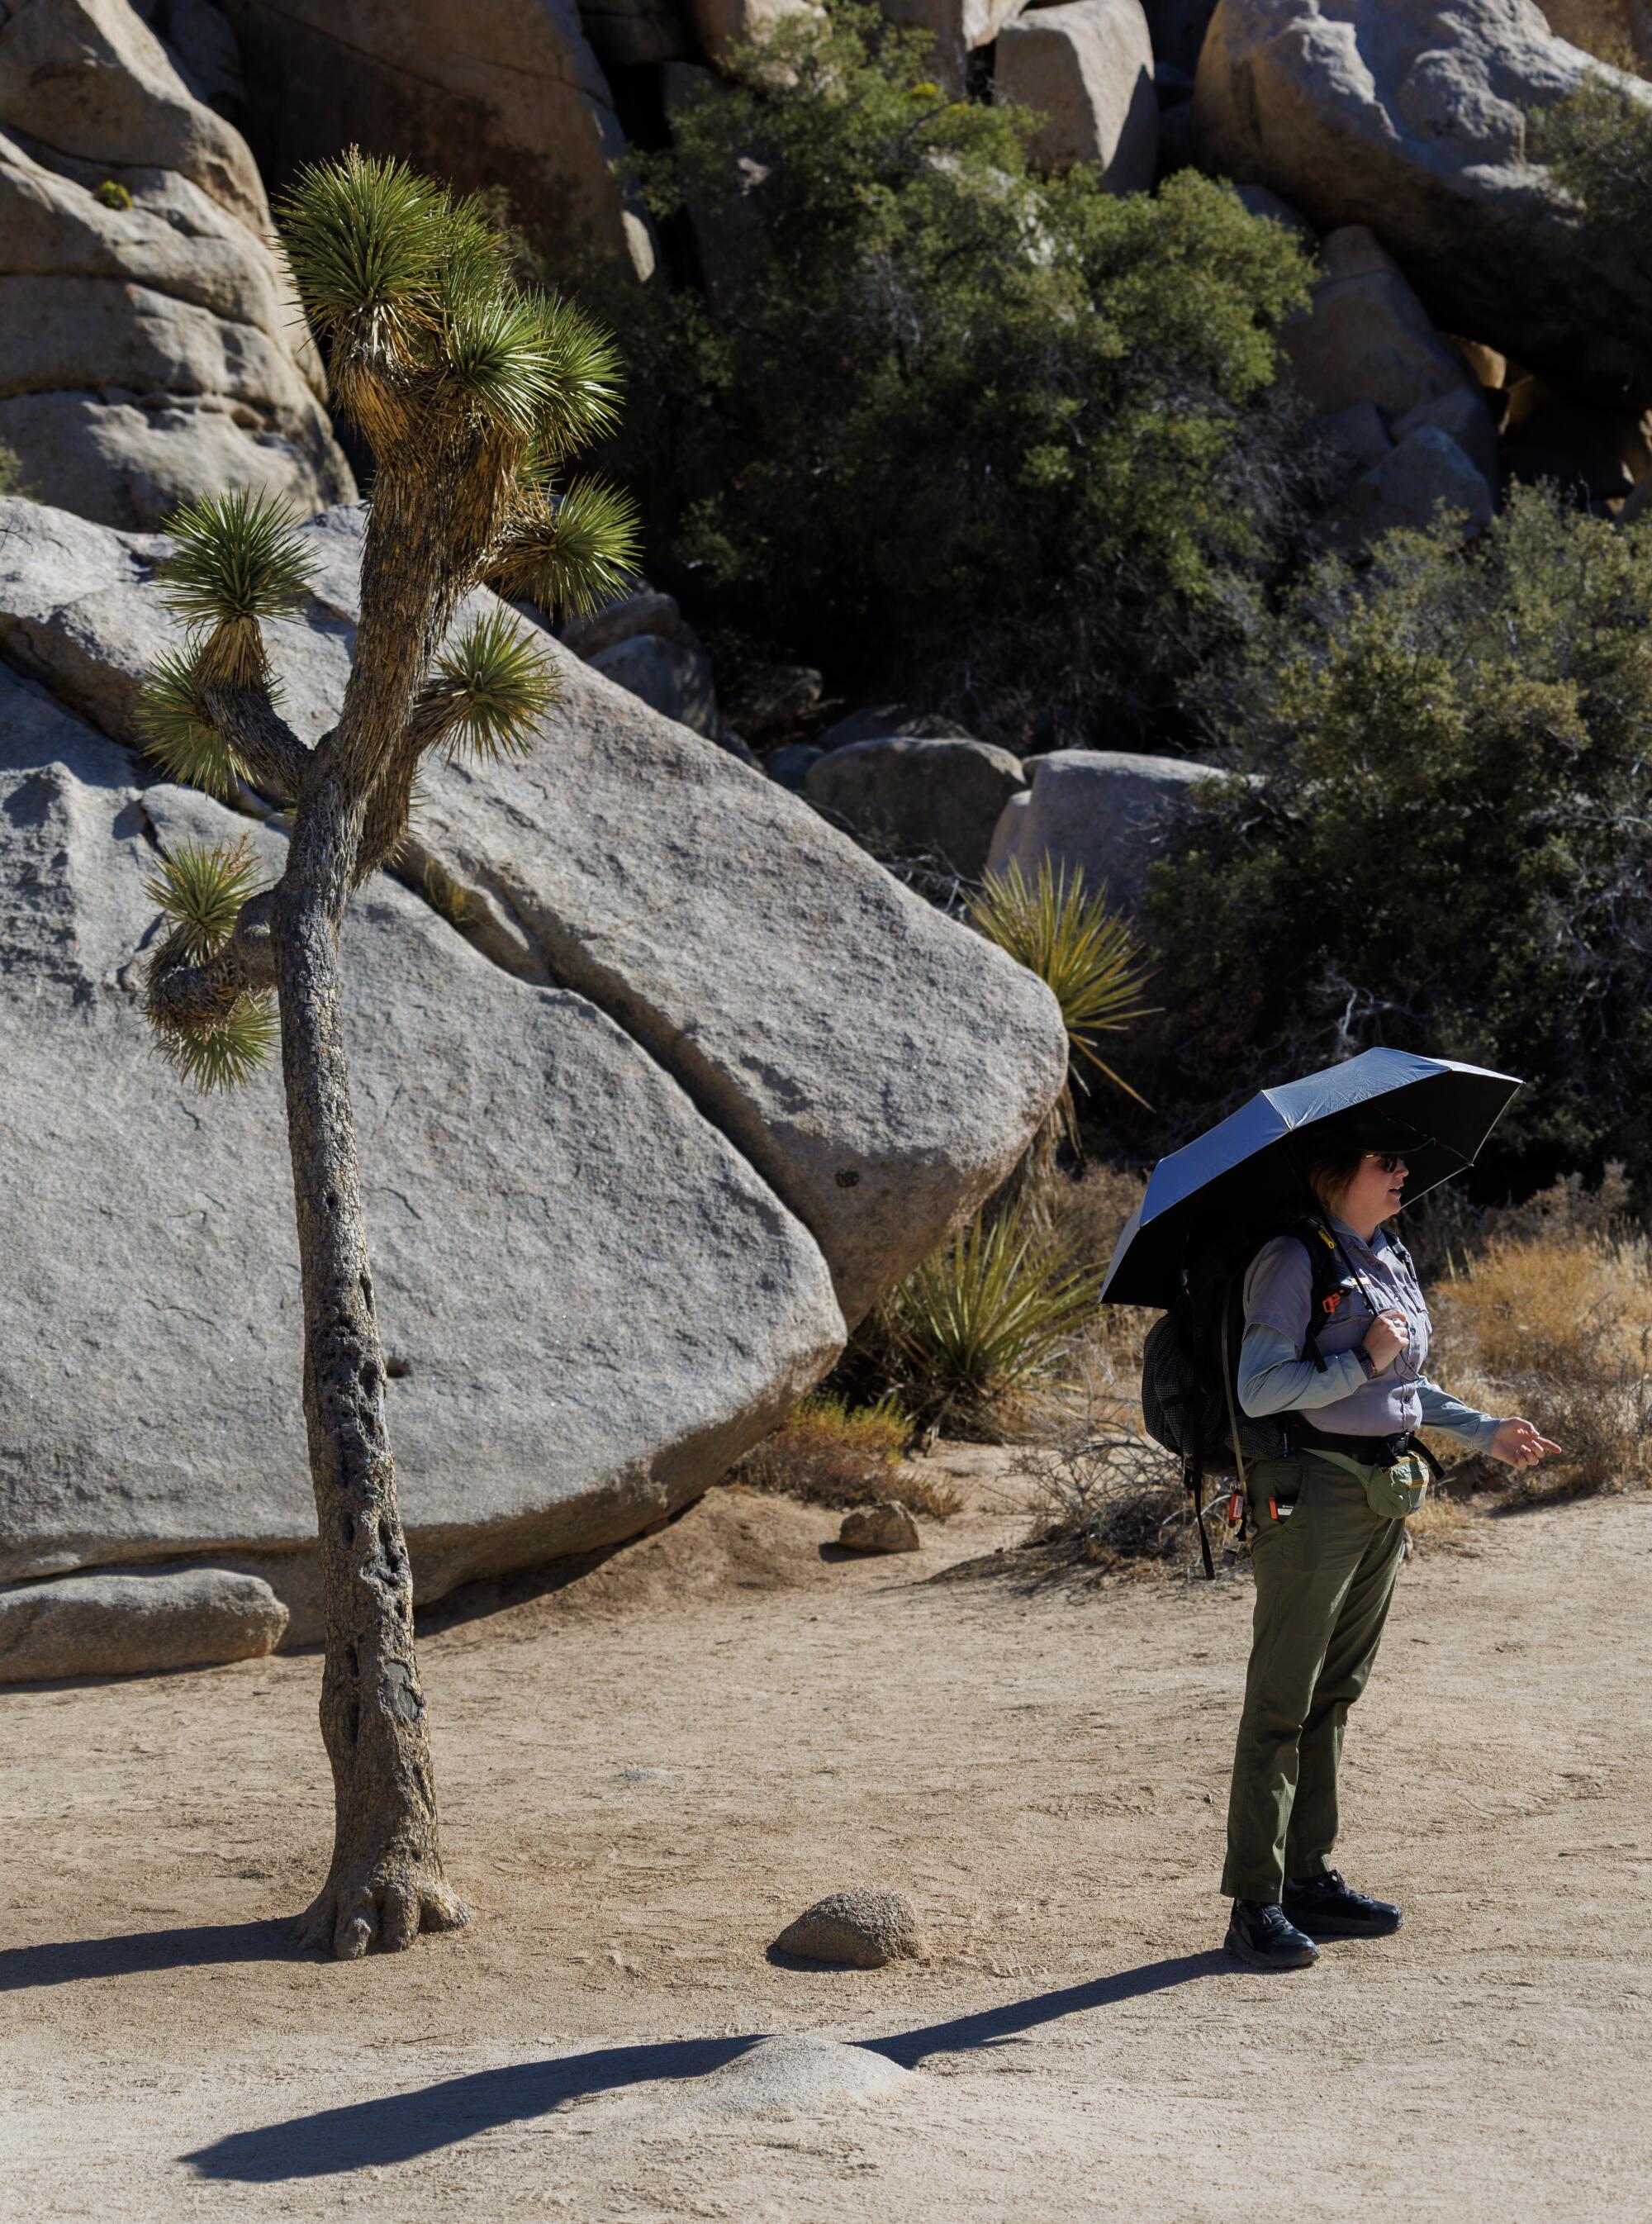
(398, 2126)
(131, 1953)
(996, 2026)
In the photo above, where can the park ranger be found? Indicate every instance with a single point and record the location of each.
(1329, 1531)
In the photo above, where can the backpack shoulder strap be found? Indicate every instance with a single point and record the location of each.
(1325, 1271)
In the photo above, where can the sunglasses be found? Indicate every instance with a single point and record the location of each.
(1389, 1161)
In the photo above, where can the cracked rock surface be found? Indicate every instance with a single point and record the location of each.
(150, 347)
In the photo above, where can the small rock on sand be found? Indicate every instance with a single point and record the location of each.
(888, 1526)
(798, 2070)
(857, 1930)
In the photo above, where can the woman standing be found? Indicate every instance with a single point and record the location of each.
(1329, 1524)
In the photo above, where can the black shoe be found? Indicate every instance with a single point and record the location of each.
(1325, 1907)
(1261, 1936)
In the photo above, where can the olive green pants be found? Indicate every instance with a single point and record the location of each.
(1324, 1579)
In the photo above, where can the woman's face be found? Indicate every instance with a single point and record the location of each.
(1376, 1191)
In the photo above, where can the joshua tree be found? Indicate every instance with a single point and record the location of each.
(472, 395)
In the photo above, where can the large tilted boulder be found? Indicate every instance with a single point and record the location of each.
(621, 1197)
(875, 1062)
(150, 349)
(1412, 118)
(590, 1301)
(940, 798)
(1088, 67)
(1108, 814)
(503, 95)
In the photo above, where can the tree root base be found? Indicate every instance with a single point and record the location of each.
(377, 1908)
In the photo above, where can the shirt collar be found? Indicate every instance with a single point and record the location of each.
(1378, 1242)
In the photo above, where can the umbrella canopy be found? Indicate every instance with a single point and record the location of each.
(1249, 1166)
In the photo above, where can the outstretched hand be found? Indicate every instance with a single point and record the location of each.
(1517, 1443)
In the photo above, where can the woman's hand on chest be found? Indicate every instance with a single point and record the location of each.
(1389, 1335)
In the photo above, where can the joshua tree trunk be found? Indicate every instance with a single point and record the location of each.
(385, 1882)
(472, 395)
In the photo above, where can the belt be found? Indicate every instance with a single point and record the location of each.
(1371, 1451)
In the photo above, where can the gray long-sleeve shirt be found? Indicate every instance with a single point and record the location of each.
(1347, 1397)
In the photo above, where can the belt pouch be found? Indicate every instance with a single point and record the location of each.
(1391, 1491)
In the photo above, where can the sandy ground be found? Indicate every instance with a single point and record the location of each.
(645, 1772)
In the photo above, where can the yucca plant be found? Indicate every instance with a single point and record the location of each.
(985, 1318)
(1091, 959)
(472, 395)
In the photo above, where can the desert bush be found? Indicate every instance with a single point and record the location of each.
(827, 1452)
(1557, 1325)
(970, 1337)
(1597, 144)
(918, 410)
(1433, 829)
(1103, 1493)
(11, 471)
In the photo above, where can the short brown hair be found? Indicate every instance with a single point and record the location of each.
(1329, 1175)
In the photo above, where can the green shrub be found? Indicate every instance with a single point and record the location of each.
(968, 1336)
(11, 471)
(1434, 833)
(1598, 143)
(114, 195)
(935, 420)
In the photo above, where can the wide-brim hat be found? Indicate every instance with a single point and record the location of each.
(1371, 1130)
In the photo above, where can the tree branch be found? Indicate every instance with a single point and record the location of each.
(437, 710)
(261, 739)
(185, 997)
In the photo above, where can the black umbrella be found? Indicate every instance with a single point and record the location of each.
(1250, 1167)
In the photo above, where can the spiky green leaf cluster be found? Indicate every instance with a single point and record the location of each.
(494, 358)
(572, 552)
(187, 748)
(984, 1318)
(582, 376)
(229, 1055)
(365, 238)
(415, 289)
(237, 557)
(201, 890)
(1086, 953)
(500, 679)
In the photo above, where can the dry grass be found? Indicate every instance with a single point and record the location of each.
(827, 1452)
(1557, 1325)
(1443, 1523)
